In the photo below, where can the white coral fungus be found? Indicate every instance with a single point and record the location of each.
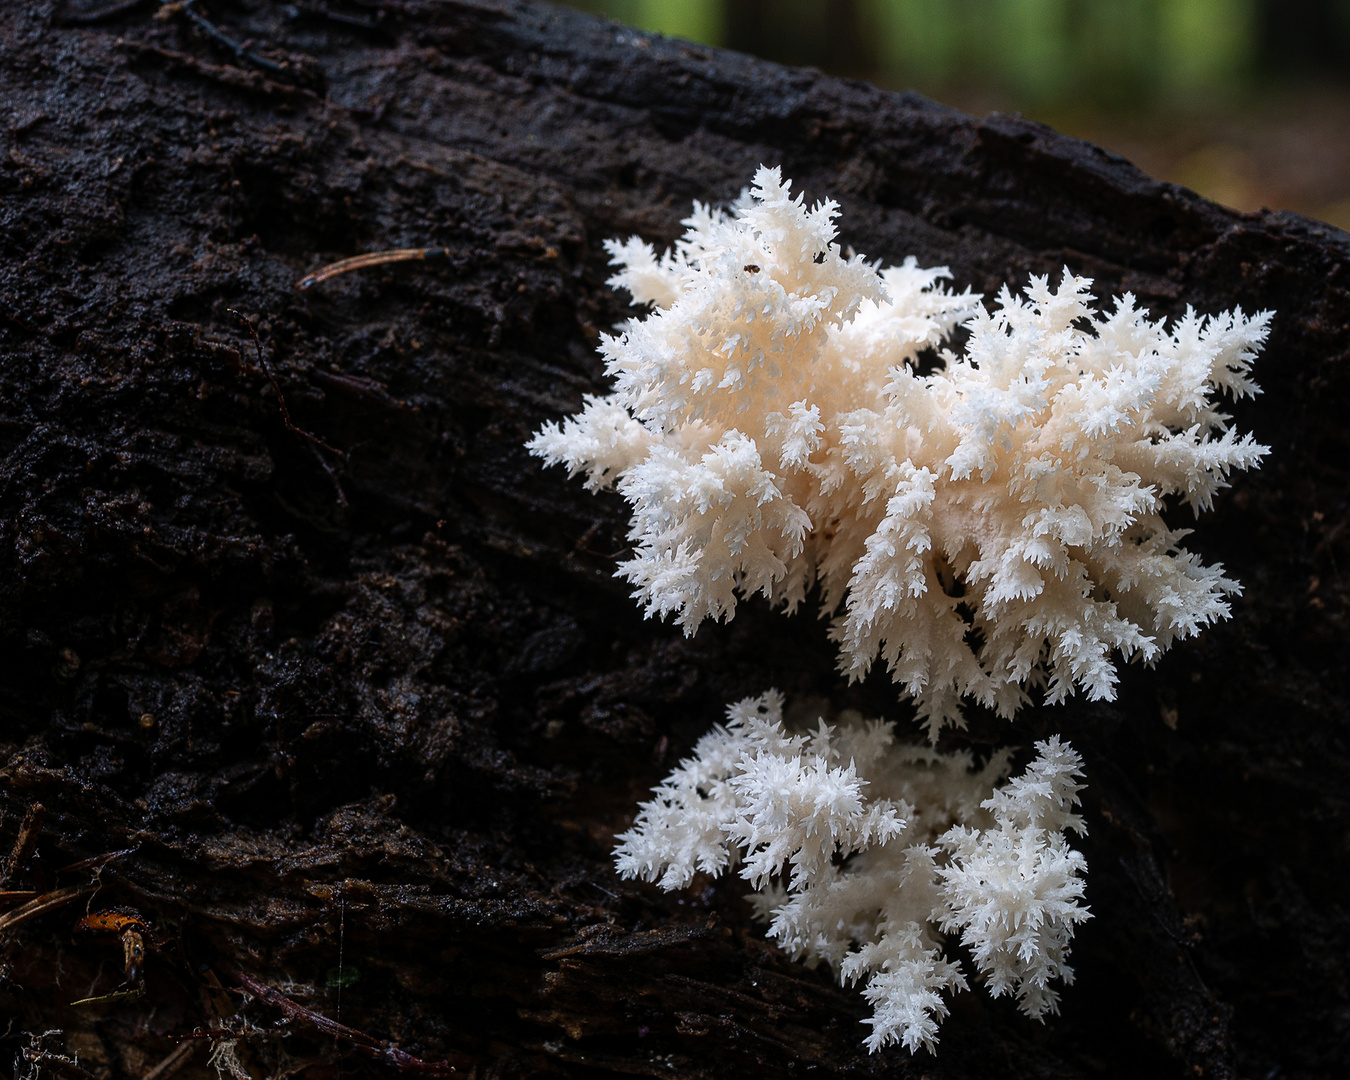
(993, 526)
(865, 851)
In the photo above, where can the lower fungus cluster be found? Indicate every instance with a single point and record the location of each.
(864, 852)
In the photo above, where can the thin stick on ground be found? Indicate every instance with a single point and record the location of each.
(314, 440)
(362, 1043)
(188, 9)
(96, 861)
(24, 843)
(172, 1062)
(43, 903)
(371, 258)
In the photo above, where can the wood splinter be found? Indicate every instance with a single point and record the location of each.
(371, 258)
(24, 843)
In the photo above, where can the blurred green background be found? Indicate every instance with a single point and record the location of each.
(1245, 101)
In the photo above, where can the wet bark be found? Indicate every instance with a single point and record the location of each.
(362, 712)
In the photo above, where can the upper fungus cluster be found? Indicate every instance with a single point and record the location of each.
(990, 527)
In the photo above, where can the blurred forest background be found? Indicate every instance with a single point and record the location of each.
(1245, 101)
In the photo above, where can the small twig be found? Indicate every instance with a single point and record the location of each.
(45, 902)
(276, 387)
(358, 387)
(116, 995)
(291, 426)
(175, 1060)
(226, 74)
(188, 8)
(96, 861)
(371, 258)
(332, 475)
(24, 842)
(361, 1042)
(16, 894)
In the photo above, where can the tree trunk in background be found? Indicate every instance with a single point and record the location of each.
(1303, 40)
(827, 33)
(363, 721)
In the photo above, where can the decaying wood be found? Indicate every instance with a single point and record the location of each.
(372, 754)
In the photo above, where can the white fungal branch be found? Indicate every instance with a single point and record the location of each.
(988, 528)
(865, 852)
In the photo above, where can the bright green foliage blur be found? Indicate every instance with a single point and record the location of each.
(1112, 53)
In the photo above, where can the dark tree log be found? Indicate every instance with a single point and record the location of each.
(363, 724)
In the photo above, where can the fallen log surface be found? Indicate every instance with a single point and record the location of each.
(341, 681)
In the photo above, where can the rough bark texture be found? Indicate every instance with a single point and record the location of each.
(368, 723)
